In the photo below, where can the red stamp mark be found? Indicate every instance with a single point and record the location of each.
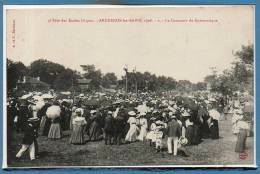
(243, 155)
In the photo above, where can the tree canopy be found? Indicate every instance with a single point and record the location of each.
(239, 77)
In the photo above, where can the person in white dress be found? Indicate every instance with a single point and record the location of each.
(151, 134)
(131, 135)
(237, 116)
(160, 126)
(144, 125)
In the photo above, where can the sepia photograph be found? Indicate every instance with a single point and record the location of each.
(109, 86)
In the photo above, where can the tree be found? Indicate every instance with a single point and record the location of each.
(15, 72)
(46, 70)
(109, 79)
(246, 54)
(243, 69)
(239, 77)
(90, 72)
(200, 86)
(65, 79)
(171, 83)
(184, 85)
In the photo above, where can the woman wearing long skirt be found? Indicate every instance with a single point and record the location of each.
(241, 136)
(213, 123)
(144, 126)
(53, 113)
(214, 129)
(55, 129)
(160, 126)
(151, 134)
(73, 115)
(42, 124)
(196, 138)
(79, 123)
(189, 134)
(237, 116)
(204, 127)
(45, 122)
(95, 131)
(131, 135)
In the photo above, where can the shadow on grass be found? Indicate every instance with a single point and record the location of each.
(43, 154)
(80, 152)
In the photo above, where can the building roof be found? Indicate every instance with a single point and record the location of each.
(33, 80)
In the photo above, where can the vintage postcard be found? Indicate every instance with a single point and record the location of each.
(129, 86)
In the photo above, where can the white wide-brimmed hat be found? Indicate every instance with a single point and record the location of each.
(47, 96)
(81, 95)
(212, 99)
(183, 141)
(186, 114)
(141, 114)
(93, 111)
(155, 111)
(171, 114)
(239, 111)
(26, 96)
(79, 110)
(158, 122)
(131, 113)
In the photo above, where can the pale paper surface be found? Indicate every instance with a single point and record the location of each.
(178, 45)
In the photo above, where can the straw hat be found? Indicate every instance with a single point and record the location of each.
(47, 96)
(171, 115)
(142, 114)
(158, 122)
(33, 119)
(152, 118)
(183, 140)
(131, 113)
(81, 95)
(186, 114)
(239, 111)
(93, 111)
(155, 111)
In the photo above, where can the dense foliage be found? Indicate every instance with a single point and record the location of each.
(239, 77)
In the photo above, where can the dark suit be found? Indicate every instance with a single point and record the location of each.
(173, 131)
(108, 128)
(119, 127)
(29, 140)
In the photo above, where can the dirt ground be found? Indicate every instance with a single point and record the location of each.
(61, 153)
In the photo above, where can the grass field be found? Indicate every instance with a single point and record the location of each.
(61, 153)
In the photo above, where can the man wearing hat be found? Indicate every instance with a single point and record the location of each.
(119, 126)
(30, 139)
(108, 128)
(173, 131)
(23, 114)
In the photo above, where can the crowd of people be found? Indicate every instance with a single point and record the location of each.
(184, 119)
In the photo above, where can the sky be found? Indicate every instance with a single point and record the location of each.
(182, 50)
